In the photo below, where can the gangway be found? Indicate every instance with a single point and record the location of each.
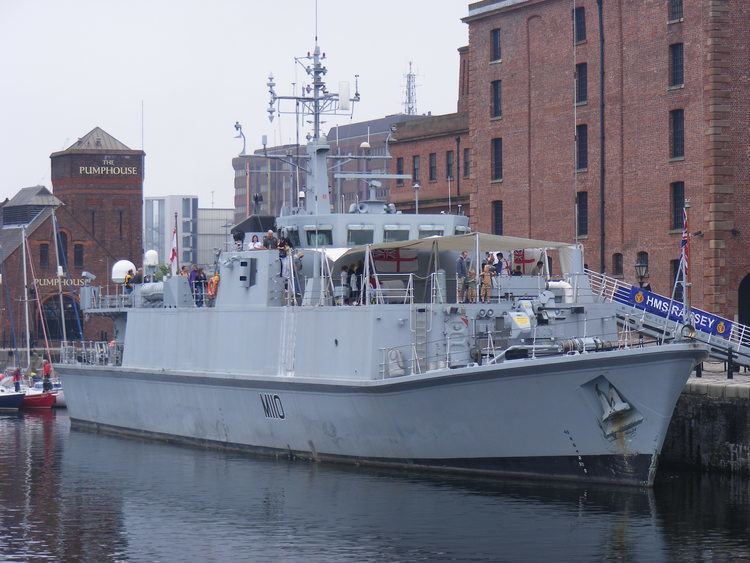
(661, 317)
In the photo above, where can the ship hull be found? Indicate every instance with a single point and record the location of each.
(540, 418)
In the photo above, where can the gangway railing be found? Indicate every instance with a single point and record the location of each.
(661, 317)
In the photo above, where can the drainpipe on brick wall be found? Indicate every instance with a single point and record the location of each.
(458, 166)
(602, 261)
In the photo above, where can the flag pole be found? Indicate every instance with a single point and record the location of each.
(685, 261)
(176, 245)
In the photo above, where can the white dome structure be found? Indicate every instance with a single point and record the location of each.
(151, 258)
(120, 270)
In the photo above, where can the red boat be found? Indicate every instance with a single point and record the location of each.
(38, 401)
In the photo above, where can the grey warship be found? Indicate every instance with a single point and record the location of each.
(534, 382)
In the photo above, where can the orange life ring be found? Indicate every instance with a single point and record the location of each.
(213, 286)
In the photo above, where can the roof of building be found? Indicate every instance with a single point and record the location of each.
(34, 195)
(11, 235)
(359, 129)
(96, 140)
(484, 7)
(431, 126)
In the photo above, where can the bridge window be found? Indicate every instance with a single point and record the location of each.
(360, 234)
(395, 233)
(321, 237)
(430, 231)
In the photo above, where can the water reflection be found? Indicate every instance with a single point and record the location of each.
(76, 495)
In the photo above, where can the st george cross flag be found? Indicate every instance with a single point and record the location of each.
(395, 260)
(173, 254)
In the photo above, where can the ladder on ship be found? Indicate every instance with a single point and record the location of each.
(660, 317)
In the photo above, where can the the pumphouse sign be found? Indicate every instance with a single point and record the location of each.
(108, 167)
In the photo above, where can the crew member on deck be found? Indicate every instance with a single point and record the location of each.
(46, 376)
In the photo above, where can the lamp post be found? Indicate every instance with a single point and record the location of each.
(641, 272)
(416, 187)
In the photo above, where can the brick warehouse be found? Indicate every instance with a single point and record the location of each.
(97, 197)
(436, 151)
(676, 126)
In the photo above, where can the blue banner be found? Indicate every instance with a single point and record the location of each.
(672, 310)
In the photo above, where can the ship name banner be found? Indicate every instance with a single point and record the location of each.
(672, 310)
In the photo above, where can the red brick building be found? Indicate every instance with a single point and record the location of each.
(97, 202)
(436, 151)
(675, 77)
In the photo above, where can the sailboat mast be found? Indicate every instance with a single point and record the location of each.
(59, 278)
(26, 298)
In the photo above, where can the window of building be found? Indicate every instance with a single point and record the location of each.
(496, 53)
(582, 147)
(93, 222)
(496, 106)
(44, 255)
(119, 214)
(678, 290)
(677, 133)
(617, 264)
(400, 169)
(78, 255)
(497, 159)
(449, 164)
(497, 217)
(676, 65)
(642, 258)
(415, 168)
(582, 213)
(675, 10)
(467, 162)
(62, 247)
(677, 195)
(433, 167)
(582, 83)
(579, 23)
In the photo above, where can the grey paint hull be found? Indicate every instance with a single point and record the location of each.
(533, 418)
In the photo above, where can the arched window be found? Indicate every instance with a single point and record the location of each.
(617, 264)
(52, 318)
(642, 258)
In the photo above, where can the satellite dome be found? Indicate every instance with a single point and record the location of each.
(120, 270)
(151, 258)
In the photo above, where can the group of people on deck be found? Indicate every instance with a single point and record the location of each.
(492, 266)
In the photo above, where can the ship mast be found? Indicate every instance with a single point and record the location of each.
(314, 100)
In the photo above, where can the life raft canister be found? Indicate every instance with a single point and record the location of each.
(213, 286)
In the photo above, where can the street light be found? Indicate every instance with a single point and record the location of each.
(416, 187)
(240, 135)
(641, 272)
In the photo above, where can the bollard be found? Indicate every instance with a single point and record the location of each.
(730, 364)
(699, 370)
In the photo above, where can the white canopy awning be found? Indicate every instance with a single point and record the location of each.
(466, 242)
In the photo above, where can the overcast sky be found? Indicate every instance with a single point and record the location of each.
(198, 66)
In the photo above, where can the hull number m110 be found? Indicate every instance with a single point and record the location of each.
(272, 406)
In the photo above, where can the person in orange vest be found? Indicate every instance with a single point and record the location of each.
(46, 376)
(17, 380)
